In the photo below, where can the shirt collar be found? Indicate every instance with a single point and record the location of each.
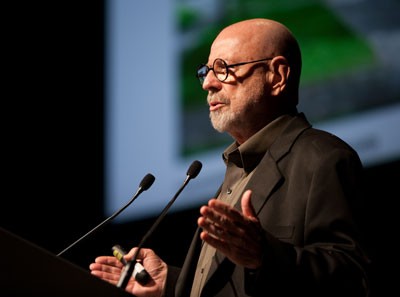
(249, 154)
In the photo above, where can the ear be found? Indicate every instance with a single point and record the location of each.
(280, 70)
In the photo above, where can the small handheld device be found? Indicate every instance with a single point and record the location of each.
(139, 273)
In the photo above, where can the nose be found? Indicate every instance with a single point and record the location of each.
(211, 82)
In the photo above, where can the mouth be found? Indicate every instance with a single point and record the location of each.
(215, 105)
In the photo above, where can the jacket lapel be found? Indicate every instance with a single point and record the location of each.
(267, 172)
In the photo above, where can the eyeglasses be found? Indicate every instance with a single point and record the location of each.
(220, 69)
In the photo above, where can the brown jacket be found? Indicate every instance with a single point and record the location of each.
(306, 195)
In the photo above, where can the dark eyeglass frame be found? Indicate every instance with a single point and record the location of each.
(203, 69)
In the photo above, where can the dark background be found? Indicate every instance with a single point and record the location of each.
(52, 143)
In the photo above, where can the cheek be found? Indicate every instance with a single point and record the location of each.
(238, 101)
(251, 95)
(246, 95)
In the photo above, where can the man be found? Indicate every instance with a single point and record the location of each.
(283, 222)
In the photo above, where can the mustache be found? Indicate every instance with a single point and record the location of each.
(213, 98)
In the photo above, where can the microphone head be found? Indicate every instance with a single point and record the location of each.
(194, 169)
(147, 181)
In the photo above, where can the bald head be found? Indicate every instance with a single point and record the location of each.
(261, 38)
(259, 35)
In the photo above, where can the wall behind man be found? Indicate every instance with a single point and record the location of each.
(52, 144)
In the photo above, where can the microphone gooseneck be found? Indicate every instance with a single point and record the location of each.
(126, 273)
(144, 185)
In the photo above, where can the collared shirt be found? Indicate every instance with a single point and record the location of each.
(241, 162)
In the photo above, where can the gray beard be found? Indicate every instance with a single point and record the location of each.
(222, 121)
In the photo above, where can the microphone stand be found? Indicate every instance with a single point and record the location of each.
(146, 183)
(193, 171)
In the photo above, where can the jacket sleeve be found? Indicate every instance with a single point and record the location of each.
(325, 259)
(172, 276)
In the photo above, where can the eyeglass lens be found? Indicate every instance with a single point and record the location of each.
(219, 68)
(202, 73)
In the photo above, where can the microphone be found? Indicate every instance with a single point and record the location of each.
(144, 185)
(126, 273)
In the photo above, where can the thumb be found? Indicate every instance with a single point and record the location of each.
(247, 207)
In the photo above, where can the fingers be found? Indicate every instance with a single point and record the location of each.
(221, 216)
(107, 268)
(108, 260)
(222, 224)
(221, 231)
(236, 234)
(247, 207)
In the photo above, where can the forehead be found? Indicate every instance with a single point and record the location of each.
(229, 49)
